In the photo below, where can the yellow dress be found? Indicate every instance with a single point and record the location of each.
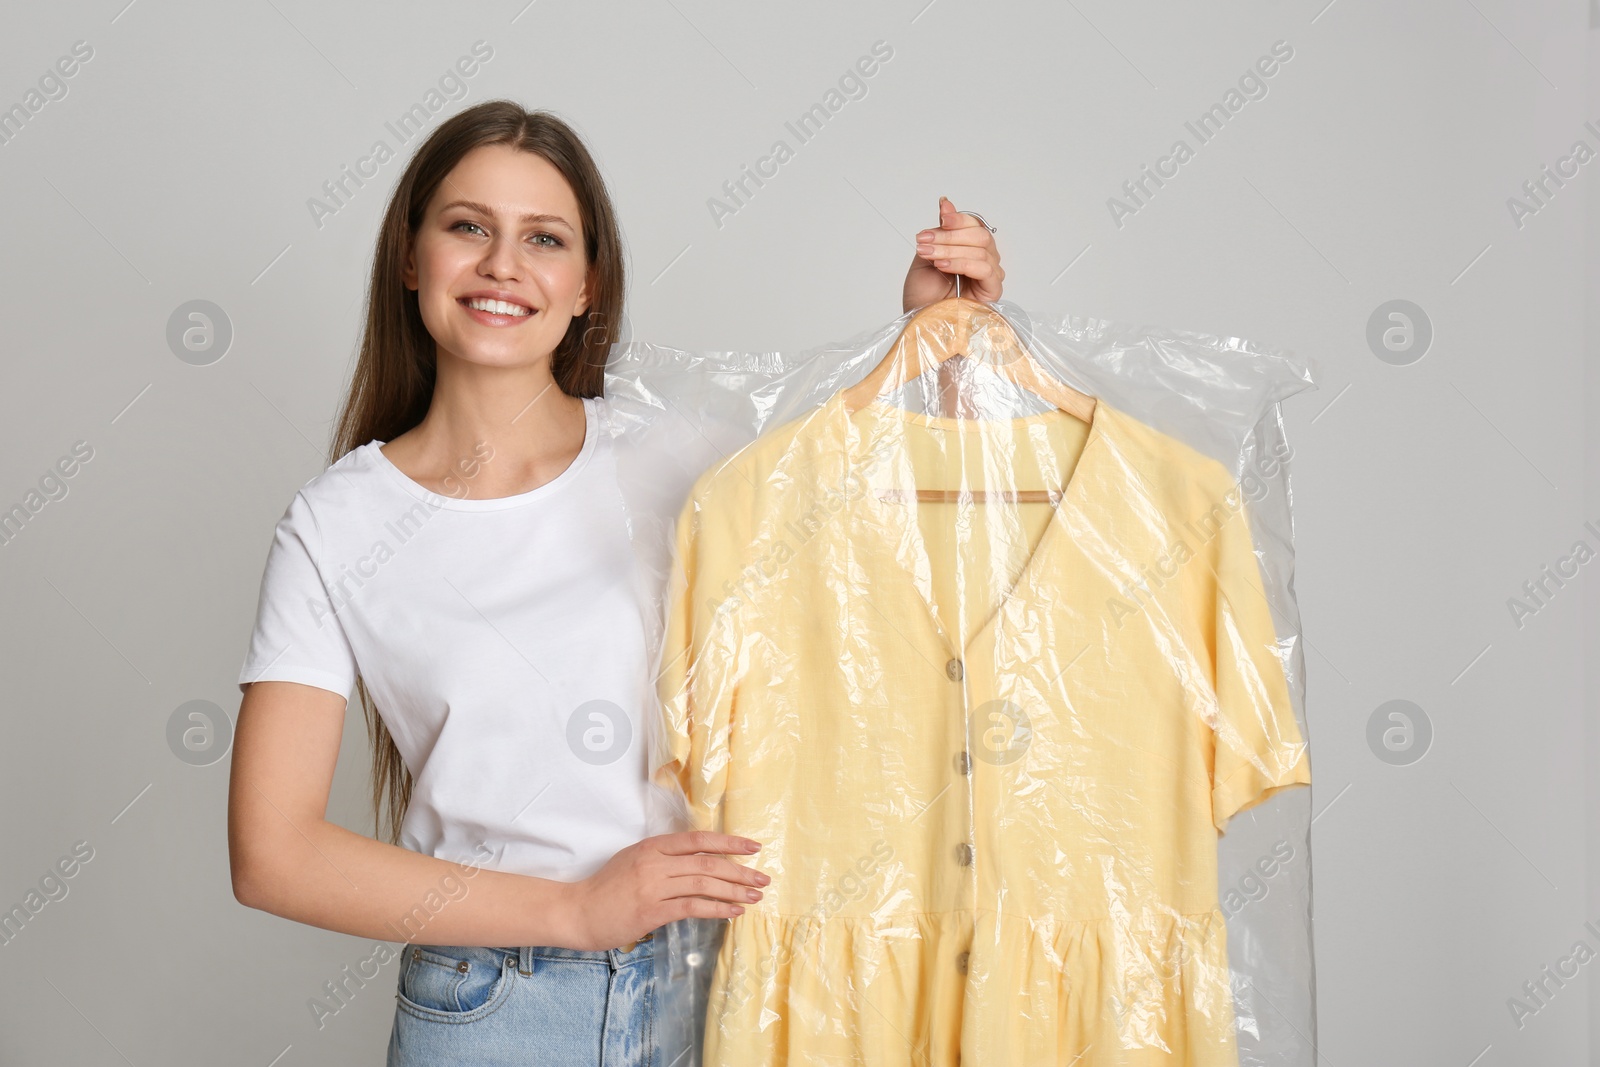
(988, 746)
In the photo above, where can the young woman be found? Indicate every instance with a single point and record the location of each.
(463, 565)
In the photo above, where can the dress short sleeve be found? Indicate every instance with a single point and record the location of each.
(697, 676)
(1259, 749)
(298, 636)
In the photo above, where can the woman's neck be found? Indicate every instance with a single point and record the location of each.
(491, 433)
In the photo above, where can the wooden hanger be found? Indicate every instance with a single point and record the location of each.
(936, 334)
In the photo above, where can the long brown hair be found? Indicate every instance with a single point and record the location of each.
(392, 384)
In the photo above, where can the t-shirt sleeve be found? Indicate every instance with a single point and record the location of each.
(298, 636)
(1259, 750)
(696, 679)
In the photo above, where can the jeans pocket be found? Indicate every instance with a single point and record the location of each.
(454, 983)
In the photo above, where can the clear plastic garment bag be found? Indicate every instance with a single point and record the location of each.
(985, 627)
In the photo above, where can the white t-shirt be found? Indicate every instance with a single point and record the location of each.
(501, 640)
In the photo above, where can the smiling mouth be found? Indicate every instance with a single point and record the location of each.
(499, 309)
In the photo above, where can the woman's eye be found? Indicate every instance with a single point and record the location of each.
(544, 240)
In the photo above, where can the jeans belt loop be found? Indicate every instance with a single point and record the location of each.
(623, 950)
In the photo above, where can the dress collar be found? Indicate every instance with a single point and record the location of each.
(870, 450)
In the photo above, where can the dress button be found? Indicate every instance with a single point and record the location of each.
(964, 854)
(963, 763)
(961, 962)
(953, 669)
(462, 966)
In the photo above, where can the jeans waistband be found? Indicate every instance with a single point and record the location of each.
(613, 957)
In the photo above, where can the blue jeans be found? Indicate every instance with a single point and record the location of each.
(483, 1007)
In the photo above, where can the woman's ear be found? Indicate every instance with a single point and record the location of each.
(584, 293)
(408, 266)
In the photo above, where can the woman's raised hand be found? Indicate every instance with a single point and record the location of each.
(959, 245)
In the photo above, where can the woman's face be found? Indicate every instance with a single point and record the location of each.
(503, 225)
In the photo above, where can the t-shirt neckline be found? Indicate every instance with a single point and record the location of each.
(428, 496)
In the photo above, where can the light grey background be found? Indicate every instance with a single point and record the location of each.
(1378, 166)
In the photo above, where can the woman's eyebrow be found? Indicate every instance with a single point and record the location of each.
(483, 210)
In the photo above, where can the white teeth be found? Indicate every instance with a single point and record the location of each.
(498, 307)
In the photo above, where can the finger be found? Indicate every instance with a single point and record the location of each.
(958, 253)
(694, 907)
(968, 266)
(947, 239)
(692, 841)
(944, 244)
(717, 867)
(951, 219)
(702, 885)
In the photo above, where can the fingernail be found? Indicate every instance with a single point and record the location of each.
(752, 894)
(764, 879)
(752, 846)
(737, 910)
